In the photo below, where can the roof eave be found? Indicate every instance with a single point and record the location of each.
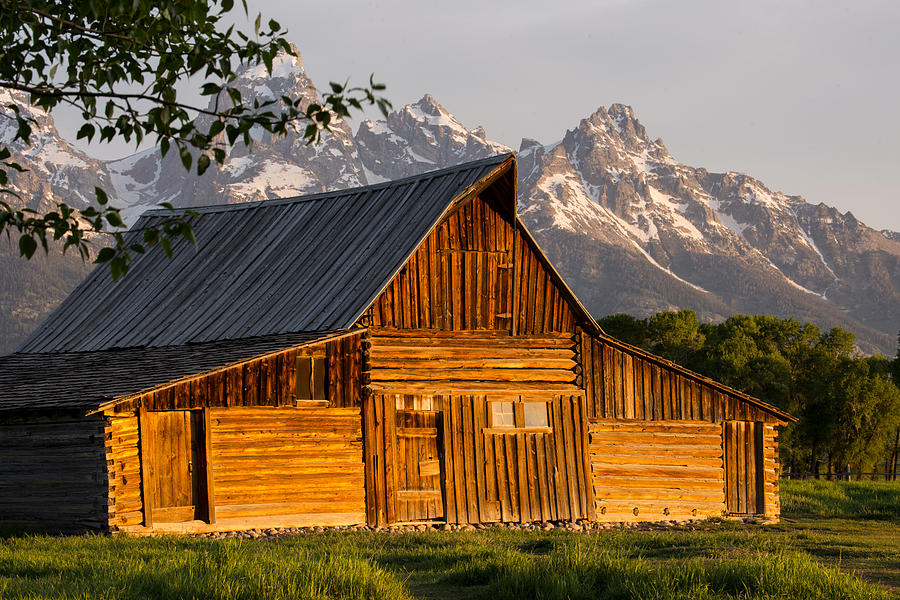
(117, 400)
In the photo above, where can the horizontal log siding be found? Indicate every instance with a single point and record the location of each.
(488, 476)
(287, 466)
(440, 362)
(124, 465)
(644, 471)
(620, 384)
(268, 381)
(53, 473)
(538, 304)
(771, 469)
(459, 278)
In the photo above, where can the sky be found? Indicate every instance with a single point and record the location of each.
(802, 95)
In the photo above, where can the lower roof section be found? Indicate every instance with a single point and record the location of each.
(87, 380)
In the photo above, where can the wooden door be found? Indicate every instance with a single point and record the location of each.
(419, 466)
(174, 466)
(744, 472)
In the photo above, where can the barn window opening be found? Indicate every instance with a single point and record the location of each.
(502, 414)
(529, 416)
(310, 379)
(535, 414)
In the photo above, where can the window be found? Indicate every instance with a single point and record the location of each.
(535, 414)
(502, 414)
(527, 415)
(310, 379)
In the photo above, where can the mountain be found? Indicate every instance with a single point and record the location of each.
(277, 166)
(56, 172)
(420, 137)
(636, 231)
(631, 228)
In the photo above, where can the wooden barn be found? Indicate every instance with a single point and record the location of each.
(402, 352)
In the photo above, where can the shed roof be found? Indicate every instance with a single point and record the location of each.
(85, 380)
(311, 263)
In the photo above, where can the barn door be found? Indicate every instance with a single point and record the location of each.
(174, 467)
(744, 474)
(419, 466)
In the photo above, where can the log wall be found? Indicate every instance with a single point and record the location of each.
(622, 383)
(287, 467)
(439, 362)
(771, 469)
(53, 472)
(646, 471)
(488, 475)
(123, 462)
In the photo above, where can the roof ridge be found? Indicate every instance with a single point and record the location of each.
(330, 195)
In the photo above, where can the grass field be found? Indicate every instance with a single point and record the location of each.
(839, 540)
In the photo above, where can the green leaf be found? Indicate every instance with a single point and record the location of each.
(210, 89)
(202, 164)
(187, 232)
(86, 131)
(118, 267)
(101, 196)
(114, 219)
(216, 128)
(186, 158)
(27, 246)
(105, 255)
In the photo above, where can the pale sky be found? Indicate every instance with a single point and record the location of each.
(803, 95)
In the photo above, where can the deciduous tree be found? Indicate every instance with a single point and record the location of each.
(117, 62)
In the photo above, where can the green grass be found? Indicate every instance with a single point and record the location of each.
(842, 499)
(839, 541)
(104, 568)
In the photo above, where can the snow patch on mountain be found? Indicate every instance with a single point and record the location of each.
(274, 180)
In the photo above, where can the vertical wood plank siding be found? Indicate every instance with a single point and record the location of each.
(621, 384)
(475, 271)
(539, 303)
(287, 466)
(53, 473)
(488, 475)
(344, 368)
(264, 382)
(645, 471)
(459, 278)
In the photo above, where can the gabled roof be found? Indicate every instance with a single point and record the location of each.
(311, 263)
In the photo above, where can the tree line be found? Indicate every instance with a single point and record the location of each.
(848, 405)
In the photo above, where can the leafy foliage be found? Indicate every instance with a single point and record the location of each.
(117, 62)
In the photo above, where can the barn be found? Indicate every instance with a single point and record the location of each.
(398, 353)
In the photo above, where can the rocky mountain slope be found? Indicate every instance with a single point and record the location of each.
(56, 172)
(636, 231)
(630, 227)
